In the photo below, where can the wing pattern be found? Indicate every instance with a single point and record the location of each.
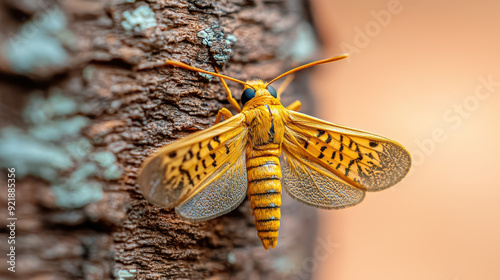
(316, 186)
(179, 171)
(362, 159)
(219, 197)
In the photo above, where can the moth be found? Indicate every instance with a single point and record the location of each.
(260, 149)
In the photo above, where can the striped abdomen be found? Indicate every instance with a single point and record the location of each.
(264, 192)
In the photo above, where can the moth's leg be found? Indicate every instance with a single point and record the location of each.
(223, 113)
(295, 106)
(230, 98)
(284, 85)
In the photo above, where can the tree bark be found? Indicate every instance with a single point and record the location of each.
(79, 116)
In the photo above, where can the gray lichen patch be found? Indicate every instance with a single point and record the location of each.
(75, 196)
(53, 148)
(29, 155)
(39, 43)
(125, 274)
(79, 148)
(206, 76)
(219, 44)
(55, 129)
(139, 20)
(107, 161)
(41, 109)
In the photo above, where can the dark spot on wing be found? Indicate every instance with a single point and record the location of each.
(329, 139)
(187, 174)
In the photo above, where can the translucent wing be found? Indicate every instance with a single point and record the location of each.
(316, 186)
(197, 169)
(348, 157)
(219, 197)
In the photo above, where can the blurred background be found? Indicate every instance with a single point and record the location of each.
(426, 74)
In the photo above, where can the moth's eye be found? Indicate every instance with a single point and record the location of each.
(248, 94)
(272, 91)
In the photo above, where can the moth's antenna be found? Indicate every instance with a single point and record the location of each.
(184, 65)
(328, 60)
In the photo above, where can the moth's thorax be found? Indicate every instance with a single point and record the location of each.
(265, 124)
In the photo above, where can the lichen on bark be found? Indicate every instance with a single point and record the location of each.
(129, 113)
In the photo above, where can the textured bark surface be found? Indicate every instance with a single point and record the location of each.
(90, 221)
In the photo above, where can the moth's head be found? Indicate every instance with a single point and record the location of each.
(257, 89)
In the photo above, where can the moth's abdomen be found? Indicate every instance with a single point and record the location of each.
(264, 192)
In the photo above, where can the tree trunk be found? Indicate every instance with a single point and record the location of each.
(79, 116)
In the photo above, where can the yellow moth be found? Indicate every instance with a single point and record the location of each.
(260, 149)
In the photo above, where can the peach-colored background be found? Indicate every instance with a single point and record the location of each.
(406, 83)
